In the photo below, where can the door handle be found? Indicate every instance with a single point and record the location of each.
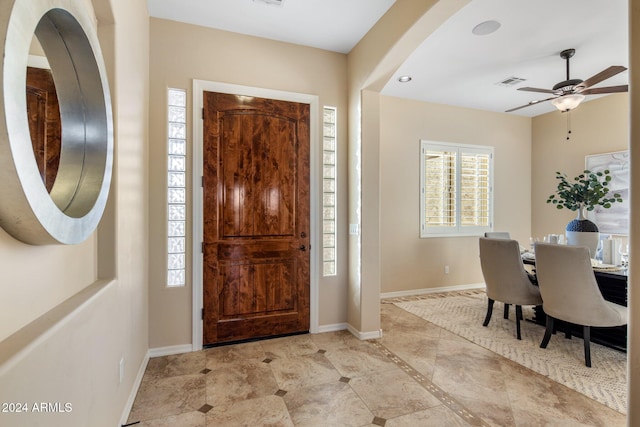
(302, 248)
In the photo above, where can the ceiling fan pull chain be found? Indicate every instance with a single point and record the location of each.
(568, 124)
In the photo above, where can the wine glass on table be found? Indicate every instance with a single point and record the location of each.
(599, 252)
(532, 243)
(623, 250)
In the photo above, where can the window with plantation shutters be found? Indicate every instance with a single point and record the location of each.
(455, 189)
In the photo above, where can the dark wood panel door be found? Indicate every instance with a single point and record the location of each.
(45, 127)
(256, 217)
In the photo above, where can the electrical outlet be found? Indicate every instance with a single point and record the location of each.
(446, 269)
(354, 229)
(121, 369)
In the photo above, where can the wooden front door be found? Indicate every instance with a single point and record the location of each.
(45, 127)
(256, 217)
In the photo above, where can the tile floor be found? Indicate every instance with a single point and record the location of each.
(416, 375)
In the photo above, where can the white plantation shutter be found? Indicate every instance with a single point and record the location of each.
(474, 193)
(440, 189)
(455, 189)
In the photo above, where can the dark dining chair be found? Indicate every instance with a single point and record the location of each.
(570, 292)
(505, 277)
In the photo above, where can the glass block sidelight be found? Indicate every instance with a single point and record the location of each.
(177, 212)
(329, 186)
(177, 114)
(178, 146)
(176, 228)
(177, 195)
(176, 245)
(176, 186)
(177, 97)
(176, 278)
(176, 261)
(177, 179)
(177, 130)
(329, 191)
(329, 227)
(177, 163)
(329, 268)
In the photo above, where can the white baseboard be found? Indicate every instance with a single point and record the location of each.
(170, 350)
(372, 335)
(332, 328)
(134, 390)
(378, 334)
(153, 352)
(424, 291)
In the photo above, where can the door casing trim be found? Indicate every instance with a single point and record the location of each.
(200, 86)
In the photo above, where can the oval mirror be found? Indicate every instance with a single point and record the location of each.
(70, 211)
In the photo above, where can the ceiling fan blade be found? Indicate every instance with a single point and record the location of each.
(535, 89)
(602, 75)
(608, 89)
(530, 104)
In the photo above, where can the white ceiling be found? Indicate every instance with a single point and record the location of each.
(452, 66)
(456, 67)
(335, 25)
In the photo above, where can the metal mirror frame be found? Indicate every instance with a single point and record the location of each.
(71, 212)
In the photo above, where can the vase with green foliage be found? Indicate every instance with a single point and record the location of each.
(585, 192)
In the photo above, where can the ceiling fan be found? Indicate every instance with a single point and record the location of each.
(569, 93)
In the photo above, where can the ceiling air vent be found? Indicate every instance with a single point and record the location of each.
(275, 2)
(510, 81)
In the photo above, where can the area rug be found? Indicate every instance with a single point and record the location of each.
(562, 360)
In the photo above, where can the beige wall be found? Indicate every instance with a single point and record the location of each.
(371, 63)
(37, 278)
(409, 262)
(71, 351)
(181, 53)
(597, 126)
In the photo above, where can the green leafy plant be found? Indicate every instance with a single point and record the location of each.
(588, 190)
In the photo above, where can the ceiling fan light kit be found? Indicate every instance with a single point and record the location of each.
(567, 102)
(568, 94)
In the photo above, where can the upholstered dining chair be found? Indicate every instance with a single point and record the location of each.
(505, 277)
(497, 234)
(570, 292)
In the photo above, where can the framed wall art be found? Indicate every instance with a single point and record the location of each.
(614, 220)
